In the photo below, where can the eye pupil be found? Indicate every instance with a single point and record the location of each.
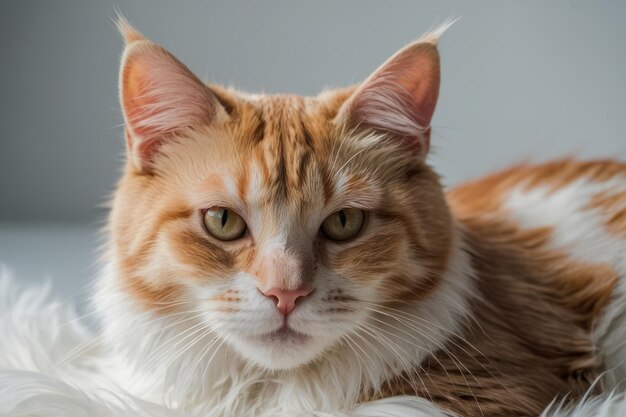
(224, 217)
(224, 224)
(342, 218)
(343, 225)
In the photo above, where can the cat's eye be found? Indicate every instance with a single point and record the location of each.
(343, 224)
(224, 224)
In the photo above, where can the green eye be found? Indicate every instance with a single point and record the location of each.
(224, 224)
(343, 224)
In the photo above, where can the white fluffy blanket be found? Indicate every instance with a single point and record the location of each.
(51, 365)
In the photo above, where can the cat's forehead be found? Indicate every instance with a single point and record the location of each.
(287, 148)
(286, 143)
(280, 156)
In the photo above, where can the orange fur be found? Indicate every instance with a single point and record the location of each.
(285, 162)
(613, 205)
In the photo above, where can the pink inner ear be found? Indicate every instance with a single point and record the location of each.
(160, 97)
(400, 97)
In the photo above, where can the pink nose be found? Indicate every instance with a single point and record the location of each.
(285, 300)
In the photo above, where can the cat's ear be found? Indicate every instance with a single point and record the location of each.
(399, 98)
(160, 97)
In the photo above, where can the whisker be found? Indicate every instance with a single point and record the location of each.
(188, 333)
(421, 347)
(453, 357)
(401, 357)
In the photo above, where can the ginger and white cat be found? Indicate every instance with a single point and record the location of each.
(286, 255)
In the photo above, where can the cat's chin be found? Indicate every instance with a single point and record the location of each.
(282, 349)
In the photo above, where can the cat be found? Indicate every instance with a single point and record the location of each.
(286, 255)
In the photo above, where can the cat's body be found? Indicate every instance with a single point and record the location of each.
(542, 270)
(548, 251)
(285, 255)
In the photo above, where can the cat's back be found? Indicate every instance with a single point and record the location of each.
(577, 208)
(562, 227)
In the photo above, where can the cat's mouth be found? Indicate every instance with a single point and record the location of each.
(284, 334)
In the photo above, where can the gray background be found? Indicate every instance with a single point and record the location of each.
(521, 80)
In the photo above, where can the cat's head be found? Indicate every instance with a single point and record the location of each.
(279, 224)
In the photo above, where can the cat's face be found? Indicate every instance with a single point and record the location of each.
(278, 224)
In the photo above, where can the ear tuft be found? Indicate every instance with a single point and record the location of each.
(128, 32)
(433, 36)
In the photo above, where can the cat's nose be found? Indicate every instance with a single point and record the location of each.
(285, 300)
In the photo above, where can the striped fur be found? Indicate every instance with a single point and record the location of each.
(496, 299)
(518, 313)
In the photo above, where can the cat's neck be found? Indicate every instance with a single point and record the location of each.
(156, 361)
